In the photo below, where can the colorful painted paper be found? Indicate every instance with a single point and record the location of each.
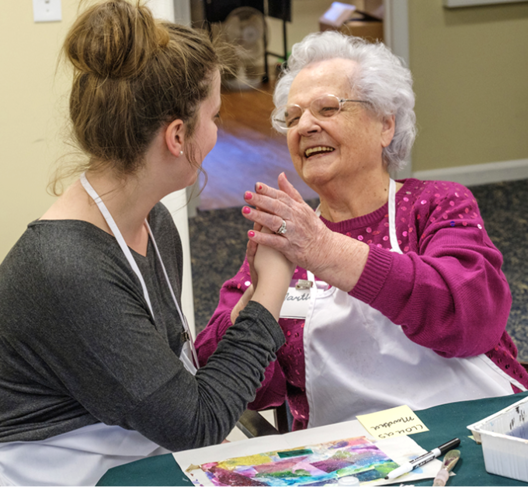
(315, 465)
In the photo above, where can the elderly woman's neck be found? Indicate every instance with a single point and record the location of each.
(347, 200)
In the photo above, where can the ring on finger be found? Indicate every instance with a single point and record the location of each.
(282, 229)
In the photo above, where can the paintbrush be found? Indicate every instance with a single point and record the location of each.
(450, 459)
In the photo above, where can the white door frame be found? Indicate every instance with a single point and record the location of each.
(396, 34)
(178, 11)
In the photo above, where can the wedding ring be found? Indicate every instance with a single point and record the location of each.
(282, 228)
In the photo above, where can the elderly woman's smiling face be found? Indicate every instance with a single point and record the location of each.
(335, 149)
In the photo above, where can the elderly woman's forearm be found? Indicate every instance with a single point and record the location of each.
(457, 305)
(341, 261)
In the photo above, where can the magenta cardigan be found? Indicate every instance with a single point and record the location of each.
(446, 290)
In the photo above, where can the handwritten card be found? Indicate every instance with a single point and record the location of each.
(392, 422)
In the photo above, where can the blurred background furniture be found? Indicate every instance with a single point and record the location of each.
(233, 12)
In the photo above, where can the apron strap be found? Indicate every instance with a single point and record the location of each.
(126, 251)
(117, 234)
(395, 247)
(182, 317)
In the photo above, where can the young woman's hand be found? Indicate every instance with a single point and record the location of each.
(274, 273)
(241, 304)
(251, 251)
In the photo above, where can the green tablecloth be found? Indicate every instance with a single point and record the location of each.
(444, 422)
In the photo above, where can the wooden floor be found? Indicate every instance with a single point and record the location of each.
(248, 150)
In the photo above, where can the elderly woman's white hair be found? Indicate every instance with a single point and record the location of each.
(381, 79)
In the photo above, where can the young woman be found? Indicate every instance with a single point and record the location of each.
(97, 367)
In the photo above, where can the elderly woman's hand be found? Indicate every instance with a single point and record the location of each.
(305, 240)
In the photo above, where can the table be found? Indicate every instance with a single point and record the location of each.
(444, 422)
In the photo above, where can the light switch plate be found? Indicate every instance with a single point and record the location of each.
(47, 10)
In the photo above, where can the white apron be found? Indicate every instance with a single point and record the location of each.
(358, 361)
(82, 456)
(77, 458)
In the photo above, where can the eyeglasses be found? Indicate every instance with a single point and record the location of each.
(321, 108)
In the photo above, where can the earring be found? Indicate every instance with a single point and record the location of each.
(181, 153)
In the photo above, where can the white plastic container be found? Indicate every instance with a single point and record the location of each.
(504, 439)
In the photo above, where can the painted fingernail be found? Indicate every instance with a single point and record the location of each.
(246, 210)
(251, 233)
(248, 195)
(258, 186)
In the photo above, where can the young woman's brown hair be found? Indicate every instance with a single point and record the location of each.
(132, 74)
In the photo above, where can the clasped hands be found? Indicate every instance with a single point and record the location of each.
(272, 256)
(304, 239)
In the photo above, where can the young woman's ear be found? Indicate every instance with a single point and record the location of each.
(175, 136)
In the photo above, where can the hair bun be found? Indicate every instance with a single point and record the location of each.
(114, 39)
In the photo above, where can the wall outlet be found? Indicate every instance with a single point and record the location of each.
(47, 10)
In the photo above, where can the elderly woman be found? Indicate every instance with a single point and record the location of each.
(96, 361)
(400, 296)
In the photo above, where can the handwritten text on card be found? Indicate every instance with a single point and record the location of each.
(392, 422)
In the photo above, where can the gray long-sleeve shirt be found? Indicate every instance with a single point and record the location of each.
(78, 344)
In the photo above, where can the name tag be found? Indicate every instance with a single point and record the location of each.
(295, 305)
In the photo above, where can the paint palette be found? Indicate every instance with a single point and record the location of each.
(316, 465)
(504, 439)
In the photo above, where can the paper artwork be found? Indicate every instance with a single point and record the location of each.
(315, 465)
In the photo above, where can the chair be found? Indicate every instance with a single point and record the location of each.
(283, 418)
(253, 424)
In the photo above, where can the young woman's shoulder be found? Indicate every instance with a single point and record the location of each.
(160, 218)
(61, 257)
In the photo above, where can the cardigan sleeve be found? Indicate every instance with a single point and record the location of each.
(272, 392)
(449, 293)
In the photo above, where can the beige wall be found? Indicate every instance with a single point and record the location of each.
(470, 68)
(32, 106)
